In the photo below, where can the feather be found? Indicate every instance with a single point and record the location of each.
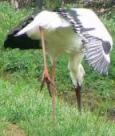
(94, 36)
(22, 41)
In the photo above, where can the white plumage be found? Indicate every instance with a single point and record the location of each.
(77, 32)
(61, 38)
(90, 20)
(48, 20)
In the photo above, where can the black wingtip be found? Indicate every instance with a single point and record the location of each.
(22, 41)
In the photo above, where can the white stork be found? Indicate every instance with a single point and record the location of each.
(77, 32)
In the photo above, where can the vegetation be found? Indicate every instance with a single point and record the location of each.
(24, 106)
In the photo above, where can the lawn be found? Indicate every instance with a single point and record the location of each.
(26, 111)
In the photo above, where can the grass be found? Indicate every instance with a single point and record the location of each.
(22, 104)
(32, 112)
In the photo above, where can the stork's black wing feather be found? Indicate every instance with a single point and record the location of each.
(22, 41)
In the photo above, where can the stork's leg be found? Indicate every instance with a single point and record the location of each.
(77, 73)
(53, 74)
(46, 77)
(53, 89)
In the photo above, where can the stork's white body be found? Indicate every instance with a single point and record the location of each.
(60, 38)
(59, 35)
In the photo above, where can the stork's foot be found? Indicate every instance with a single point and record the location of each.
(46, 79)
(52, 90)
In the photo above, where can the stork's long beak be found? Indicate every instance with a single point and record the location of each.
(78, 96)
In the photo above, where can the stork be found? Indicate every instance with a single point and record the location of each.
(77, 32)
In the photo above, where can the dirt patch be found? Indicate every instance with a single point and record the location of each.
(111, 114)
(91, 101)
(14, 130)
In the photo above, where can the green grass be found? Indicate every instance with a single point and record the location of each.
(22, 103)
(31, 110)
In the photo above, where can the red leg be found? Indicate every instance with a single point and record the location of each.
(46, 77)
(53, 89)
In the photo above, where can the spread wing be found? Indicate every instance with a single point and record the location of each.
(95, 37)
(99, 41)
(97, 54)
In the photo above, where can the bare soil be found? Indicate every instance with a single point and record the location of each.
(14, 130)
